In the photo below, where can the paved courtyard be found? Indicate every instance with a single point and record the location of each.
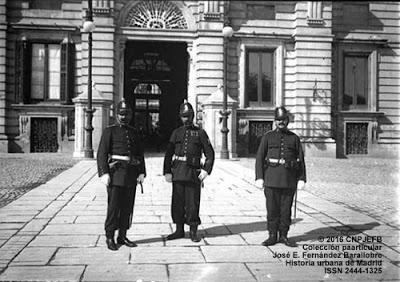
(55, 233)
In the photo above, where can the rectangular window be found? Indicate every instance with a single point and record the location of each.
(355, 95)
(260, 78)
(45, 80)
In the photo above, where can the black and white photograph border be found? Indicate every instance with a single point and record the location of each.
(65, 67)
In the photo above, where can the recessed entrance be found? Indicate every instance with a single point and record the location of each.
(155, 84)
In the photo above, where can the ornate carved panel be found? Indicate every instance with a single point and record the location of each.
(357, 138)
(156, 15)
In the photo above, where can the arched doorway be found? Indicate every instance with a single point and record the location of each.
(155, 84)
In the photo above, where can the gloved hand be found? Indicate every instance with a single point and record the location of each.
(140, 178)
(260, 183)
(168, 177)
(105, 179)
(300, 185)
(203, 174)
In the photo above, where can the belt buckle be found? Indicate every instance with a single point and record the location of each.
(281, 161)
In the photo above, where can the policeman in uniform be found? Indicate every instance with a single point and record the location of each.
(182, 167)
(280, 169)
(121, 166)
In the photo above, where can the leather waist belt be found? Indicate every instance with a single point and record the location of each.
(120, 158)
(179, 158)
(277, 161)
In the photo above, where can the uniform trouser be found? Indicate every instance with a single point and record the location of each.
(119, 209)
(185, 203)
(279, 208)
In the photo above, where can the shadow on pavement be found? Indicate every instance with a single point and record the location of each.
(345, 230)
(312, 235)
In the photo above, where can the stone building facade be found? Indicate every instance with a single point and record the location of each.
(334, 65)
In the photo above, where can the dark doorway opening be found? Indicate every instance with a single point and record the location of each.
(155, 84)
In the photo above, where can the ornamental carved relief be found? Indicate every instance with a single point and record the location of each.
(156, 15)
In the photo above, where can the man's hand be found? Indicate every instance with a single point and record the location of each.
(300, 185)
(203, 174)
(105, 179)
(168, 177)
(260, 183)
(140, 178)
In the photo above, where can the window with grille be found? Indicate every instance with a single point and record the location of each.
(44, 135)
(256, 130)
(356, 138)
(260, 78)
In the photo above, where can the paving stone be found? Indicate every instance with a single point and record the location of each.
(65, 241)
(98, 207)
(42, 273)
(185, 242)
(281, 272)
(90, 219)
(214, 229)
(73, 229)
(389, 273)
(166, 255)
(126, 272)
(209, 272)
(254, 238)
(7, 233)
(241, 228)
(11, 226)
(35, 225)
(63, 219)
(34, 256)
(19, 210)
(145, 219)
(225, 240)
(150, 228)
(20, 240)
(87, 256)
(236, 254)
(236, 219)
(15, 218)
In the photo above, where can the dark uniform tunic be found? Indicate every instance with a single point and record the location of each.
(124, 141)
(183, 160)
(280, 179)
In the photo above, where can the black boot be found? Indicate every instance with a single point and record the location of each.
(272, 239)
(193, 234)
(122, 240)
(285, 240)
(179, 233)
(111, 244)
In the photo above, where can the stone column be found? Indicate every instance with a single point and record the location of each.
(212, 122)
(192, 98)
(100, 119)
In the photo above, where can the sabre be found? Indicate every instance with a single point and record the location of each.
(295, 206)
(141, 187)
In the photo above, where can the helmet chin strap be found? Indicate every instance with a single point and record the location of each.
(123, 120)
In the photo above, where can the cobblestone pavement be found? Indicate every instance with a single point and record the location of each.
(370, 185)
(19, 173)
